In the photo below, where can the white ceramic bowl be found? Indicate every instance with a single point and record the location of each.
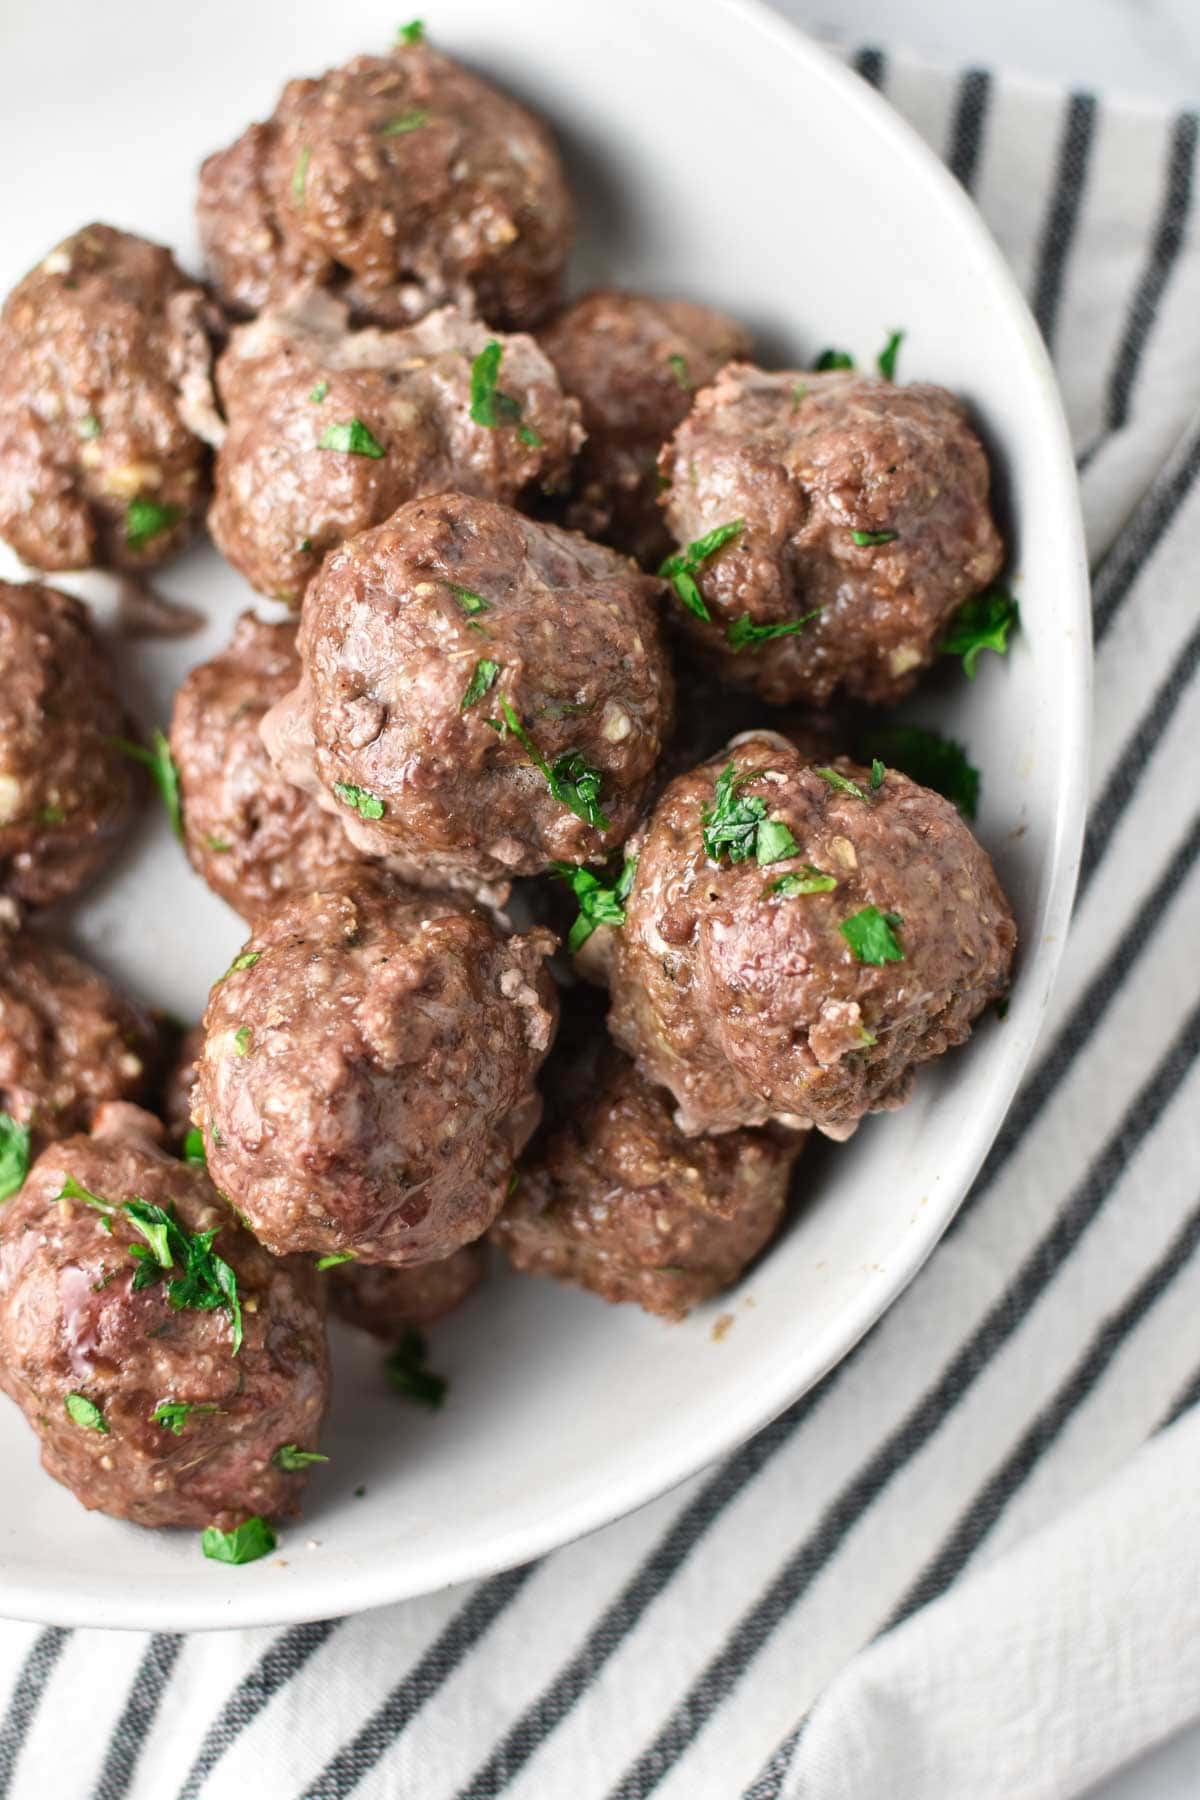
(720, 155)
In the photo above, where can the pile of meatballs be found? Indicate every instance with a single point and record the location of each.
(568, 917)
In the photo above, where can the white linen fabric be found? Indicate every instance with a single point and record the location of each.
(966, 1564)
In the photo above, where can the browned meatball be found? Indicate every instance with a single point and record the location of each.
(481, 693)
(404, 181)
(68, 1041)
(155, 1401)
(368, 1068)
(634, 363)
(330, 430)
(66, 789)
(615, 1198)
(387, 1302)
(98, 348)
(857, 934)
(248, 832)
(860, 501)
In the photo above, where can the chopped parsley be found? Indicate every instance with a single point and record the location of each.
(89, 426)
(173, 1415)
(483, 678)
(878, 772)
(300, 175)
(471, 603)
(871, 935)
(242, 1040)
(359, 800)
(983, 623)
(572, 779)
(319, 392)
(408, 1374)
(774, 843)
(886, 360)
(163, 773)
(936, 762)
(679, 369)
(865, 538)
(218, 845)
(14, 1155)
(799, 390)
(193, 1148)
(244, 1544)
(51, 815)
(413, 33)
(352, 437)
(490, 406)
(833, 359)
(744, 631)
(680, 569)
(289, 1459)
(600, 902)
(85, 1412)
(336, 1258)
(805, 880)
(409, 121)
(737, 826)
(245, 960)
(145, 519)
(841, 783)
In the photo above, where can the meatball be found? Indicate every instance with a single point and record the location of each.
(843, 496)
(481, 693)
(615, 1198)
(247, 831)
(159, 1396)
(403, 180)
(98, 347)
(368, 1068)
(68, 1041)
(66, 789)
(634, 363)
(330, 430)
(387, 1302)
(797, 940)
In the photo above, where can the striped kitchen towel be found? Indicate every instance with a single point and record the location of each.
(1054, 1333)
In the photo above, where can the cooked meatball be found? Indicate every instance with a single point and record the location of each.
(615, 1198)
(863, 502)
(859, 932)
(330, 430)
(386, 1302)
(175, 1097)
(402, 180)
(68, 1041)
(66, 789)
(634, 363)
(368, 1069)
(481, 693)
(248, 832)
(98, 346)
(147, 1405)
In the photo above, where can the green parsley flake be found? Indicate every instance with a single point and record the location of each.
(89, 426)
(482, 679)
(413, 33)
(82, 1411)
(145, 519)
(290, 1460)
(409, 121)
(600, 903)
(300, 175)
(799, 390)
(173, 1415)
(244, 1544)
(871, 935)
(352, 438)
(490, 406)
(804, 880)
(471, 603)
(335, 1259)
(679, 369)
(359, 800)
(841, 783)
(242, 1040)
(574, 782)
(878, 772)
(163, 773)
(833, 359)
(864, 539)
(246, 960)
(218, 845)
(408, 1374)
(936, 762)
(744, 631)
(680, 569)
(886, 360)
(774, 843)
(319, 392)
(193, 1148)
(737, 826)
(983, 623)
(14, 1156)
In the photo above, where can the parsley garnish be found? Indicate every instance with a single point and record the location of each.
(164, 774)
(246, 960)
(878, 771)
(573, 780)
(679, 369)
(600, 903)
(173, 1415)
(300, 175)
(865, 538)
(871, 935)
(744, 631)
(738, 826)
(774, 843)
(834, 359)
(799, 390)
(804, 880)
(335, 1259)
(359, 800)
(89, 426)
(352, 437)
(409, 121)
(680, 569)
(193, 1148)
(244, 1544)
(936, 762)
(407, 1374)
(840, 783)
(14, 1155)
(981, 624)
(288, 1458)
(490, 406)
(146, 518)
(319, 392)
(471, 603)
(886, 360)
(241, 1040)
(85, 1412)
(413, 33)
(483, 678)
(220, 846)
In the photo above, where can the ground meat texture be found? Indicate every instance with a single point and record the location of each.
(66, 789)
(387, 1302)
(248, 832)
(294, 378)
(405, 182)
(72, 1323)
(414, 639)
(804, 462)
(97, 347)
(68, 1041)
(750, 1003)
(634, 362)
(368, 1069)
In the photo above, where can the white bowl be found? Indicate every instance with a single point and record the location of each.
(721, 155)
